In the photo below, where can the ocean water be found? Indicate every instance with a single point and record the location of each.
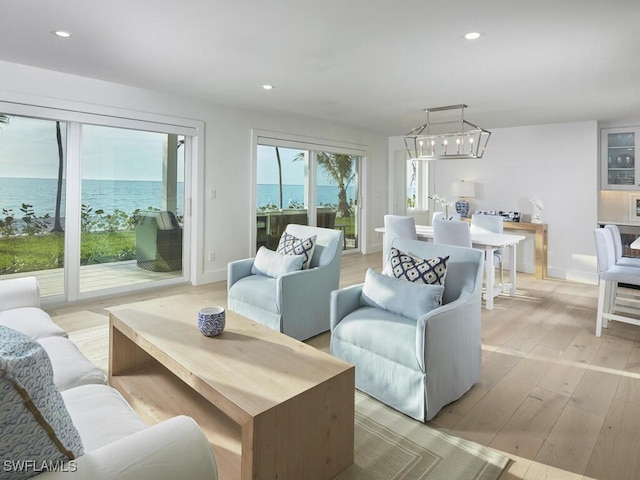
(108, 195)
(129, 195)
(269, 194)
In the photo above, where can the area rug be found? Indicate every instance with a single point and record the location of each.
(388, 444)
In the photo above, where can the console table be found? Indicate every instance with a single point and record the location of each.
(540, 243)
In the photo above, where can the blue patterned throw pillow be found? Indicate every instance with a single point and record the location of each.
(430, 271)
(290, 245)
(37, 430)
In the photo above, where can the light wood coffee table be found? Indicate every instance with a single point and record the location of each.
(271, 406)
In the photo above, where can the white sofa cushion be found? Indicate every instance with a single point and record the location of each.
(70, 367)
(101, 415)
(31, 321)
(34, 422)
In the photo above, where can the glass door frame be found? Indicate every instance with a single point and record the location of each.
(74, 120)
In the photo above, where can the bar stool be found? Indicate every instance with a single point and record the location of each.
(611, 303)
(617, 245)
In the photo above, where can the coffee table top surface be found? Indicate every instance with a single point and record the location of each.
(248, 366)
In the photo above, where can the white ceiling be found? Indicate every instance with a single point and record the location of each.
(373, 64)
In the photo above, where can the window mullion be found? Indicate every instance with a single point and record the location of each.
(72, 212)
(312, 189)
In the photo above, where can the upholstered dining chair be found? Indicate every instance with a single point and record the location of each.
(295, 303)
(617, 245)
(443, 216)
(396, 226)
(452, 232)
(612, 302)
(413, 352)
(494, 224)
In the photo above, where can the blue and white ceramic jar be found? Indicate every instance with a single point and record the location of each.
(211, 321)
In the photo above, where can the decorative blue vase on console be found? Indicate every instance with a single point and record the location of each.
(465, 190)
(462, 207)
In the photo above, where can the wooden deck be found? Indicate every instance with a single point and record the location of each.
(96, 277)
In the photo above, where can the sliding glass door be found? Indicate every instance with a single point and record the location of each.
(131, 208)
(88, 207)
(308, 187)
(32, 200)
(282, 192)
(337, 194)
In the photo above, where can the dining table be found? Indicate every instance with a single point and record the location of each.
(490, 242)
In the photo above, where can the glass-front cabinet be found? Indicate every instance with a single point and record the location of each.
(620, 170)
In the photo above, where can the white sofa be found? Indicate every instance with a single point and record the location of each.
(117, 443)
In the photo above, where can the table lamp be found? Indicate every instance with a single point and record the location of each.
(465, 190)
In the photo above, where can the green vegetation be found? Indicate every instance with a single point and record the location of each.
(29, 253)
(28, 243)
(105, 238)
(43, 252)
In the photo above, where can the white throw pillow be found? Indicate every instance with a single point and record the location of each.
(409, 299)
(274, 264)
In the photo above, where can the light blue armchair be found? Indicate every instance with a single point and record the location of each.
(296, 303)
(416, 366)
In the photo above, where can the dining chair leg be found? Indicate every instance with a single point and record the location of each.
(602, 294)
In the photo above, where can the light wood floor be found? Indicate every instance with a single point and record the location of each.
(560, 402)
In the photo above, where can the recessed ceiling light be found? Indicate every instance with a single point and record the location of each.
(267, 87)
(472, 35)
(61, 33)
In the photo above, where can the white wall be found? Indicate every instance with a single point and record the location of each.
(556, 162)
(226, 157)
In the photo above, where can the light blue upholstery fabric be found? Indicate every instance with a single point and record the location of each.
(370, 328)
(617, 244)
(415, 367)
(452, 232)
(399, 296)
(610, 305)
(274, 264)
(397, 226)
(297, 303)
(489, 223)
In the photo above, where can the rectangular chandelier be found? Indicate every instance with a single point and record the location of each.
(448, 138)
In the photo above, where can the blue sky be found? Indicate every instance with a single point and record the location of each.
(28, 148)
(292, 171)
